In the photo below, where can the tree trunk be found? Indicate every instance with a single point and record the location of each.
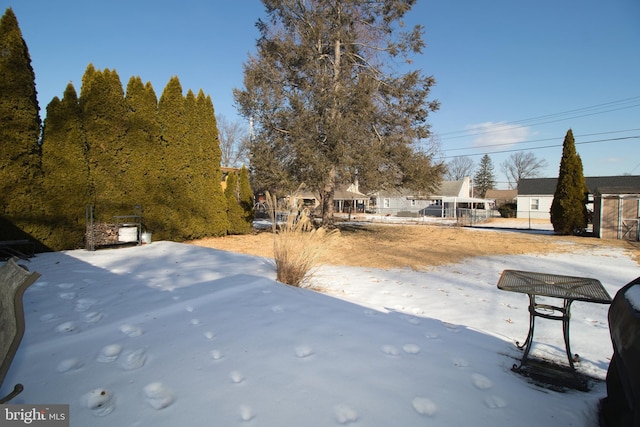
(327, 199)
(330, 185)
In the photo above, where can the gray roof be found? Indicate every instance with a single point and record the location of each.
(618, 190)
(445, 189)
(501, 194)
(547, 186)
(449, 188)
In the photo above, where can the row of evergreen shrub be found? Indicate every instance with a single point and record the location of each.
(113, 150)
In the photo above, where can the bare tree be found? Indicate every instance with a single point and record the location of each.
(234, 142)
(459, 167)
(522, 165)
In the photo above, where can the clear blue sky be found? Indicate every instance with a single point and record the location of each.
(511, 75)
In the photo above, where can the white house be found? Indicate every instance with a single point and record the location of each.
(534, 198)
(446, 201)
(535, 195)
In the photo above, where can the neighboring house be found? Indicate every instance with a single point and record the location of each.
(350, 199)
(616, 213)
(345, 199)
(445, 202)
(535, 195)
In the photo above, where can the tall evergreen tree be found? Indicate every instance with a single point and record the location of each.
(104, 122)
(568, 209)
(19, 129)
(65, 172)
(328, 101)
(176, 161)
(484, 179)
(143, 139)
(234, 210)
(198, 177)
(211, 158)
(245, 197)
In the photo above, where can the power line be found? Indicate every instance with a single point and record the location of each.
(544, 147)
(537, 140)
(548, 118)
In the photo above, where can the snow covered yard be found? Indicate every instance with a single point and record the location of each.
(171, 334)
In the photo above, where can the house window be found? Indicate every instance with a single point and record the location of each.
(413, 202)
(386, 203)
(535, 204)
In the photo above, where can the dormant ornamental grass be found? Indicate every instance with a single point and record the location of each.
(298, 246)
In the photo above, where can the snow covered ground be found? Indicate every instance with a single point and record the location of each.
(170, 334)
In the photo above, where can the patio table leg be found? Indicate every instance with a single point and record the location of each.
(528, 341)
(565, 331)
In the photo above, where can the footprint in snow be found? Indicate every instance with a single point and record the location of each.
(481, 382)
(93, 317)
(67, 327)
(424, 406)
(390, 350)
(189, 309)
(195, 322)
(109, 353)
(131, 331)
(135, 359)
(158, 395)
(345, 414)
(67, 295)
(277, 309)
(431, 336)
(216, 354)
(413, 320)
(68, 365)
(494, 402)
(209, 335)
(65, 285)
(411, 348)
(48, 317)
(100, 401)
(459, 362)
(303, 351)
(246, 413)
(84, 304)
(236, 377)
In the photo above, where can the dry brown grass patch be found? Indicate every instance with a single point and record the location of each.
(421, 246)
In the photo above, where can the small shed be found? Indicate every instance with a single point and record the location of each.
(616, 213)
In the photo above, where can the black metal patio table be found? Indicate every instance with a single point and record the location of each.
(567, 288)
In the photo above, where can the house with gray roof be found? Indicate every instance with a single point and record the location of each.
(446, 201)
